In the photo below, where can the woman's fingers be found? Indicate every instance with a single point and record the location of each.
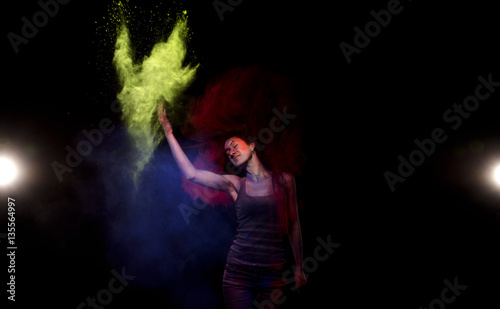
(161, 110)
(162, 113)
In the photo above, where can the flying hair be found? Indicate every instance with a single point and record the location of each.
(254, 104)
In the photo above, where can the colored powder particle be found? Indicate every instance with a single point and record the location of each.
(160, 77)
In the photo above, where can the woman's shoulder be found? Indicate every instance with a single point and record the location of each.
(235, 180)
(286, 177)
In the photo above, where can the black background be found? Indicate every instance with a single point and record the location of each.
(397, 248)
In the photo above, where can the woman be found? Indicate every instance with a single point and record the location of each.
(266, 208)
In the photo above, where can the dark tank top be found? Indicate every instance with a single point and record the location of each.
(261, 229)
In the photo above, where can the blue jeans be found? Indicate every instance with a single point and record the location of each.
(251, 287)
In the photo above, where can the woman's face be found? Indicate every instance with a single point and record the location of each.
(238, 151)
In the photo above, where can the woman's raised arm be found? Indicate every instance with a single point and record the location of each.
(205, 178)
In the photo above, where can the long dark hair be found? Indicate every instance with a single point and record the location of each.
(247, 102)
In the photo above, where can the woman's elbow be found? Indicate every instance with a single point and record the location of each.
(190, 175)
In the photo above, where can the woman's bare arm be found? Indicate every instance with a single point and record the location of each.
(205, 178)
(294, 229)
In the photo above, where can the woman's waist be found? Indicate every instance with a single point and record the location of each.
(270, 260)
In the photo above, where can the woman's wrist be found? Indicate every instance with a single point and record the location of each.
(168, 133)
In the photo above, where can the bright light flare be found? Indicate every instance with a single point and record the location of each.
(496, 175)
(8, 171)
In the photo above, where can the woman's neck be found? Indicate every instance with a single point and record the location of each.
(256, 172)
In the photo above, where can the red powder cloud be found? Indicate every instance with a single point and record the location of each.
(252, 103)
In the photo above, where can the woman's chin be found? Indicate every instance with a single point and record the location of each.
(238, 163)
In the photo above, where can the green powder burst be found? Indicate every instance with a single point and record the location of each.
(160, 77)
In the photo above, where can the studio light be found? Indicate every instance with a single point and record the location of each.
(8, 171)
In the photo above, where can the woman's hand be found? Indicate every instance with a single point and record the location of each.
(300, 277)
(162, 116)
